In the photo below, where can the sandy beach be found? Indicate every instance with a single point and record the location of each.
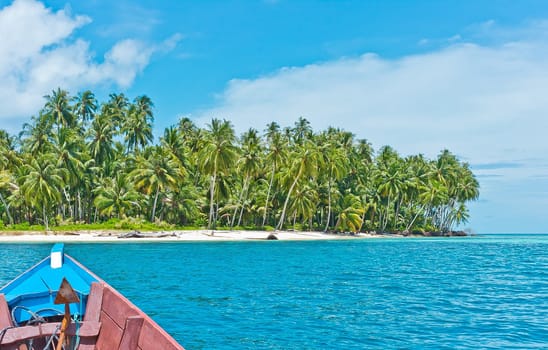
(171, 236)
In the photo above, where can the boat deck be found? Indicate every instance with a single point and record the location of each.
(110, 322)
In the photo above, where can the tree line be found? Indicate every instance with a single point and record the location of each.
(82, 161)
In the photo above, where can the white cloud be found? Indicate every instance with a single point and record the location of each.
(487, 103)
(478, 101)
(39, 52)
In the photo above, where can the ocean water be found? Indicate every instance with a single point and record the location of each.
(460, 293)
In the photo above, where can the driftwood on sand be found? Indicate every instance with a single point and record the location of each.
(138, 234)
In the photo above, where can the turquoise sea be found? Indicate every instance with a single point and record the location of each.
(487, 292)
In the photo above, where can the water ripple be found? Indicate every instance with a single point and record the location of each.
(480, 293)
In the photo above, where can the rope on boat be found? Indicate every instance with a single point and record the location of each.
(50, 340)
(35, 318)
(75, 341)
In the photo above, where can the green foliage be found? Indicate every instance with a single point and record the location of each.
(81, 164)
(23, 226)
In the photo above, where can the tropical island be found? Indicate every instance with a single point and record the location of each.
(81, 164)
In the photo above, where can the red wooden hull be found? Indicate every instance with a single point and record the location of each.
(111, 322)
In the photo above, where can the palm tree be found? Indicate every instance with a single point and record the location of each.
(38, 135)
(156, 173)
(420, 172)
(350, 218)
(6, 182)
(302, 130)
(336, 161)
(216, 155)
(86, 106)
(276, 155)
(102, 138)
(58, 109)
(42, 184)
(116, 109)
(137, 127)
(388, 188)
(248, 165)
(303, 203)
(116, 195)
(305, 163)
(190, 134)
(68, 149)
(84, 161)
(173, 142)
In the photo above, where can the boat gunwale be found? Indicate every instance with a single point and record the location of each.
(17, 280)
(140, 313)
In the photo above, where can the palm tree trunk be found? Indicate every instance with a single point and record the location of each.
(244, 197)
(328, 204)
(211, 195)
(398, 207)
(414, 218)
(385, 217)
(240, 197)
(282, 217)
(154, 204)
(268, 195)
(67, 196)
(45, 217)
(78, 196)
(7, 209)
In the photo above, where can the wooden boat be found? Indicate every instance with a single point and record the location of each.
(60, 304)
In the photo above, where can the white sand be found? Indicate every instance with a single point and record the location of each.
(175, 236)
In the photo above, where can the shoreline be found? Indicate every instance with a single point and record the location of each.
(101, 236)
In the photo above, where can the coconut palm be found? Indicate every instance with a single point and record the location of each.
(68, 149)
(390, 188)
(116, 195)
(37, 135)
(351, 217)
(137, 126)
(86, 106)
(156, 173)
(248, 165)
(116, 109)
(216, 155)
(305, 163)
(303, 203)
(173, 143)
(101, 140)
(42, 184)
(57, 107)
(302, 130)
(336, 165)
(7, 184)
(275, 157)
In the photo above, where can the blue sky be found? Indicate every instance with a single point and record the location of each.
(421, 76)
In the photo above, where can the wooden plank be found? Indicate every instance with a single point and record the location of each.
(130, 338)
(117, 307)
(87, 343)
(111, 334)
(93, 313)
(5, 315)
(153, 337)
(95, 301)
(13, 335)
